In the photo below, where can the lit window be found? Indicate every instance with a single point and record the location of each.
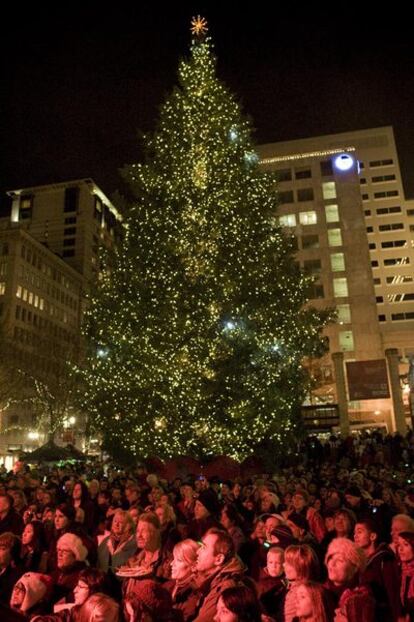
(331, 213)
(334, 237)
(340, 286)
(329, 190)
(2, 288)
(344, 314)
(25, 292)
(337, 262)
(36, 300)
(41, 304)
(30, 299)
(19, 291)
(308, 218)
(288, 220)
(346, 341)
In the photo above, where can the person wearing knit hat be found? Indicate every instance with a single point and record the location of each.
(29, 591)
(208, 499)
(69, 543)
(282, 536)
(148, 598)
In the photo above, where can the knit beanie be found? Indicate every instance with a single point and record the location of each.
(349, 550)
(284, 536)
(73, 543)
(209, 499)
(36, 586)
(154, 597)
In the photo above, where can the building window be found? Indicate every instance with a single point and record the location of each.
(377, 281)
(303, 173)
(4, 248)
(305, 194)
(69, 252)
(326, 168)
(391, 226)
(365, 197)
(312, 266)
(344, 314)
(69, 231)
(398, 279)
(340, 286)
(346, 341)
(71, 201)
(376, 163)
(70, 220)
(394, 244)
(286, 196)
(382, 317)
(379, 299)
(410, 212)
(329, 190)
(69, 242)
(287, 220)
(316, 291)
(334, 237)
(332, 213)
(310, 241)
(372, 246)
(386, 195)
(367, 212)
(307, 218)
(362, 181)
(25, 207)
(337, 262)
(370, 229)
(395, 209)
(2, 288)
(397, 261)
(402, 316)
(381, 178)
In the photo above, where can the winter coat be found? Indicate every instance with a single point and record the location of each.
(111, 557)
(382, 576)
(211, 589)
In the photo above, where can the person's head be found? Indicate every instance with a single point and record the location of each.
(206, 504)
(353, 496)
(300, 500)
(6, 502)
(80, 491)
(344, 524)
(401, 522)
(122, 525)
(269, 502)
(343, 561)
(298, 525)
(271, 522)
(70, 549)
(147, 601)
(132, 494)
(165, 514)
(33, 535)
(215, 550)
(19, 498)
(238, 604)
(99, 608)
(310, 603)
(366, 534)
(30, 589)
(274, 561)
(64, 516)
(148, 534)
(93, 488)
(89, 582)
(184, 559)
(301, 563)
(259, 529)
(9, 544)
(282, 536)
(405, 546)
(229, 516)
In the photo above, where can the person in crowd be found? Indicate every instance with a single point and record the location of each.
(218, 568)
(381, 572)
(356, 503)
(301, 564)
(93, 489)
(405, 552)
(300, 503)
(344, 562)
(64, 523)
(19, 500)
(185, 507)
(10, 520)
(238, 604)
(182, 587)
(206, 511)
(80, 499)
(232, 521)
(33, 546)
(31, 593)
(312, 604)
(116, 548)
(10, 572)
(271, 585)
(90, 582)
(400, 522)
(71, 556)
(149, 602)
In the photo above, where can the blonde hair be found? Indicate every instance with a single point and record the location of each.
(187, 551)
(99, 603)
(129, 525)
(304, 560)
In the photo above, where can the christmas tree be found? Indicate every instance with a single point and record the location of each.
(199, 327)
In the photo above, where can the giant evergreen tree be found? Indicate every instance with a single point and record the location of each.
(199, 326)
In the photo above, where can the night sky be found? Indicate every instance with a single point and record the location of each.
(78, 84)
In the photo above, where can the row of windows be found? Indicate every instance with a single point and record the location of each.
(31, 278)
(37, 262)
(389, 244)
(383, 211)
(307, 194)
(392, 298)
(376, 163)
(26, 315)
(45, 305)
(386, 194)
(310, 217)
(377, 179)
(392, 261)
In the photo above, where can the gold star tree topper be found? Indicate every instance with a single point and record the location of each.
(199, 26)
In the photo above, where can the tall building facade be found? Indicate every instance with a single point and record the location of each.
(342, 198)
(49, 256)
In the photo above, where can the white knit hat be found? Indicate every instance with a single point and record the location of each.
(36, 586)
(73, 543)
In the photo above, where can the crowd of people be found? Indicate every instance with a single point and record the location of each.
(328, 537)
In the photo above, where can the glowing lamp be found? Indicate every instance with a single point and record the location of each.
(343, 162)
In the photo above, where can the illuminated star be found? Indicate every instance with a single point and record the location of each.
(198, 26)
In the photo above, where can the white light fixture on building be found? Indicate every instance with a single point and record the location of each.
(344, 162)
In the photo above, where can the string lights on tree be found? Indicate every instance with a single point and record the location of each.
(199, 328)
